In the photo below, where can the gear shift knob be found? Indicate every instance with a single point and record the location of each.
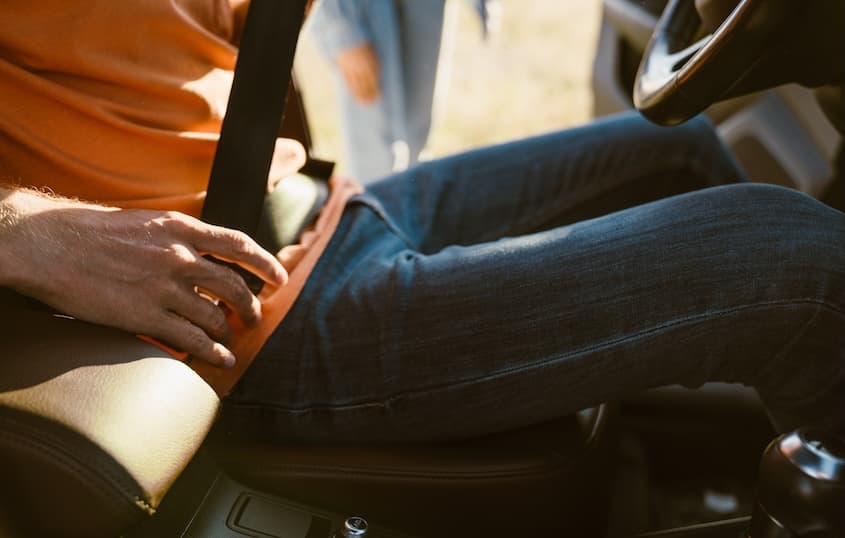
(801, 489)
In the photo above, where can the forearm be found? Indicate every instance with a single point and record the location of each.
(9, 218)
(26, 218)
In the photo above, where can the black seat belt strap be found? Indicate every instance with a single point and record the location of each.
(238, 182)
(241, 165)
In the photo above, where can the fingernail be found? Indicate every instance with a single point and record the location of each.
(256, 313)
(228, 357)
(281, 274)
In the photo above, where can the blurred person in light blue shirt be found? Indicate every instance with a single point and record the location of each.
(384, 54)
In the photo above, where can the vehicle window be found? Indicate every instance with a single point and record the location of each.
(530, 75)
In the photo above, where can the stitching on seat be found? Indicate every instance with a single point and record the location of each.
(46, 443)
(145, 506)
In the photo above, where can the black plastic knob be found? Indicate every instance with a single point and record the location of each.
(801, 487)
(355, 526)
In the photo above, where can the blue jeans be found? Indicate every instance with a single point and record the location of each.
(514, 284)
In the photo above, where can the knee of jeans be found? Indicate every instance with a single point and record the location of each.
(788, 203)
(805, 235)
(762, 201)
(785, 225)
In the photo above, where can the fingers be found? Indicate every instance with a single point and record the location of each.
(139, 270)
(204, 325)
(193, 323)
(203, 313)
(184, 335)
(237, 247)
(224, 284)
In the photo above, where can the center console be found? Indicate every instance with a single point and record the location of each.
(800, 492)
(205, 502)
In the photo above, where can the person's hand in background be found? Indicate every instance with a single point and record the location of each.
(360, 68)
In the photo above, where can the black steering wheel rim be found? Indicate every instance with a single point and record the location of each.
(678, 79)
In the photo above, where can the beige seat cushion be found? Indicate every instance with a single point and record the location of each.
(95, 425)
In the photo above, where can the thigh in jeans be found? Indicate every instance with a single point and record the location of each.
(433, 209)
(740, 283)
(553, 179)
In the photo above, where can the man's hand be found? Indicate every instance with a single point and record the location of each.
(141, 271)
(359, 66)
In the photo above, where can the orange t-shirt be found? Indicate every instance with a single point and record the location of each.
(120, 102)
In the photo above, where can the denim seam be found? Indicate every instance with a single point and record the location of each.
(386, 401)
(786, 346)
(823, 391)
(639, 335)
(822, 394)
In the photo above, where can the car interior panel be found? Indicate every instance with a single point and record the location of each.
(102, 434)
(97, 424)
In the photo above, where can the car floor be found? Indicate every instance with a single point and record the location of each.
(681, 467)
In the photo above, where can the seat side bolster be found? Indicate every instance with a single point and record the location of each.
(95, 423)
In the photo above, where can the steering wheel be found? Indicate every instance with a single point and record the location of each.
(680, 76)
